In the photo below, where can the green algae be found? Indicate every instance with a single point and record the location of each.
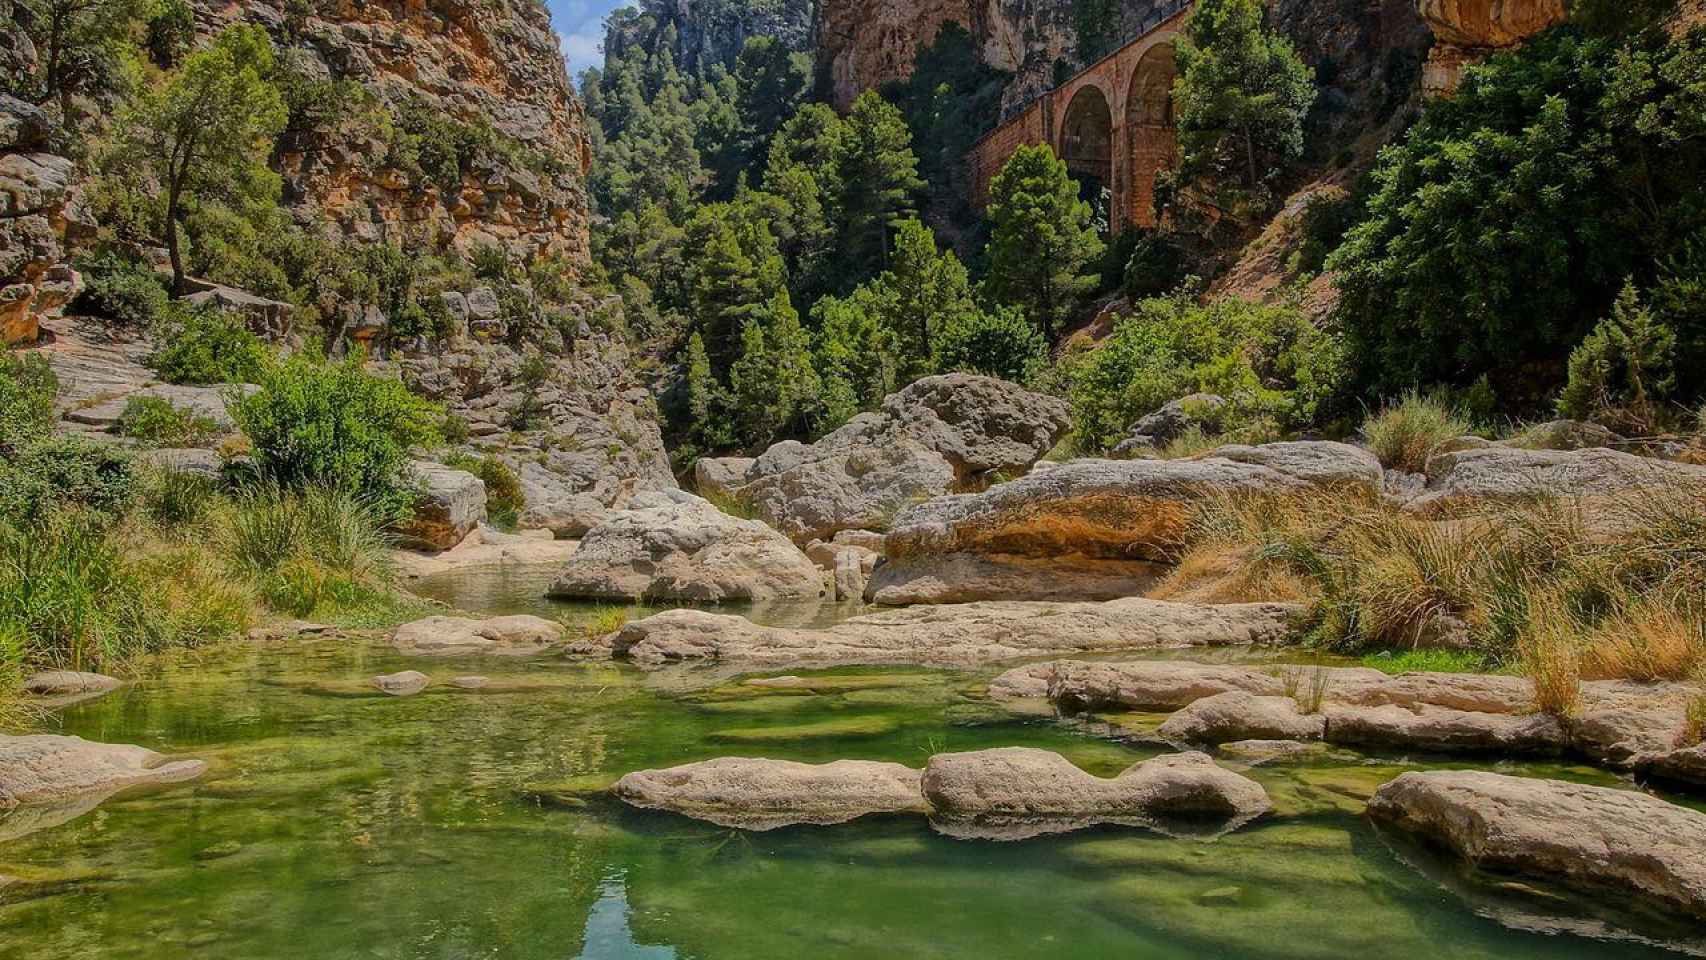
(874, 725)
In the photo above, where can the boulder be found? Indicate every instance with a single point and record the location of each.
(720, 477)
(755, 794)
(1442, 729)
(62, 683)
(204, 463)
(953, 634)
(269, 318)
(1017, 792)
(1236, 715)
(1474, 478)
(939, 434)
(52, 769)
(1098, 514)
(1147, 685)
(675, 546)
(452, 504)
(1201, 410)
(1565, 435)
(518, 635)
(1594, 839)
(405, 684)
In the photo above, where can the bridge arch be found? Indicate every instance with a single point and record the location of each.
(1150, 143)
(1086, 141)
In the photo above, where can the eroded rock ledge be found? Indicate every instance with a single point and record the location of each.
(1622, 724)
(954, 634)
(1004, 794)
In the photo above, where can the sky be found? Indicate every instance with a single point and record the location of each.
(581, 25)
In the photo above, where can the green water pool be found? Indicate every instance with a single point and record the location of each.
(335, 824)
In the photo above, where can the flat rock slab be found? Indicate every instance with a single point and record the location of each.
(59, 688)
(43, 768)
(675, 546)
(520, 635)
(209, 402)
(954, 634)
(1019, 792)
(1471, 478)
(756, 794)
(1594, 839)
(969, 577)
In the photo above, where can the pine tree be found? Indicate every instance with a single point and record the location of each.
(1241, 93)
(752, 387)
(1042, 241)
(796, 382)
(704, 398)
(878, 181)
(925, 289)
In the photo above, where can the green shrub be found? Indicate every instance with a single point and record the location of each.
(1623, 370)
(1405, 434)
(504, 498)
(1269, 362)
(27, 390)
(207, 346)
(318, 424)
(176, 499)
(1000, 343)
(157, 420)
(1156, 266)
(126, 292)
(64, 472)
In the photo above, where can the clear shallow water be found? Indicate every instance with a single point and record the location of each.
(334, 824)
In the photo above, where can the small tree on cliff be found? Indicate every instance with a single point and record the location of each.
(1042, 242)
(1241, 92)
(207, 131)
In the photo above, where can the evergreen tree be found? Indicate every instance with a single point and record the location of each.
(1241, 92)
(855, 355)
(705, 402)
(1001, 343)
(878, 182)
(752, 387)
(1043, 240)
(925, 290)
(794, 376)
(208, 130)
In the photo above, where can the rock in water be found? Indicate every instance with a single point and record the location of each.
(70, 686)
(1018, 792)
(519, 635)
(1594, 839)
(405, 684)
(755, 794)
(954, 634)
(675, 546)
(50, 769)
(451, 505)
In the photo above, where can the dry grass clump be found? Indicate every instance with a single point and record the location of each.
(1405, 433)
(1306, 686)
(1694, 721)
(1561, 591)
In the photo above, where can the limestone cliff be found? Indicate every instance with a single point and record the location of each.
(493, 66)
(707, 32)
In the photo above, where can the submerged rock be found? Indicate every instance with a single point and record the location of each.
(1018, 792)
(675, 546)
(755, 794)
(1594, 839)
(64, 687)
(50, 769)
(405, 684)
(954, 634)
(518, 635)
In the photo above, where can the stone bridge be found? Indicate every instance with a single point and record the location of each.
(1112, 124)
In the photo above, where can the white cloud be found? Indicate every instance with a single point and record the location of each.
(581, 50)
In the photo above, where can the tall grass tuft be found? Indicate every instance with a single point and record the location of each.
(68, 591)
(1547, 647)
(1404, 434)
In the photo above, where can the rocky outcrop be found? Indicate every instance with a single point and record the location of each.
(1469, 479)
(40, 214)
(754, 794)
(945, 433)
(1200, 410)
(518, 635)
(582, 444)
(1468, 31)
(1596, 839)
(51, 769)
(450, 505)
(493, 67)
(675, 546)
(849, 566)
(1017, 792)
(954, 634)
(710, 34)
(1096, 515)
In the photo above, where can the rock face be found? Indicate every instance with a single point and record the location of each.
(940, 434)
(1467, 31)
(451, 505)
(707, 34)
(1469, 478)
(1017, 792)
(52, 769)
(519, 635)
(765, 794)
(1093, 515)
(676, 546)
(1595, 839)
(954, 634)
(592, 441)
(40, 211)
(493, 65)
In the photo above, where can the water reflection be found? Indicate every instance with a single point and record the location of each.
(608, 935)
